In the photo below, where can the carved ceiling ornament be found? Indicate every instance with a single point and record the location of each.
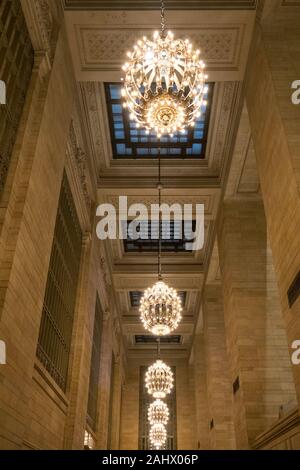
(100, 45)
(45, 22)
(79, 158)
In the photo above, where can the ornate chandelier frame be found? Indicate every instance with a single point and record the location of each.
(158, 435)
(164, 84)
(158, 412)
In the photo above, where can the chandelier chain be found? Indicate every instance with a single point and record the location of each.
(162, 17)
(158, 348)
(159, 216)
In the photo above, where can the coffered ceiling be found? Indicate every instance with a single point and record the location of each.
(99, 35)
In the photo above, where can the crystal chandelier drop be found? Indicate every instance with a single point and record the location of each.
(158, 412)
(159, 379)
(158, 435)
(164, 84)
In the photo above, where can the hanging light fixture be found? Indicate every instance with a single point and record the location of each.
(158, 435)
(159, 379)
(164, 84)
(160, 307)
(158, 412)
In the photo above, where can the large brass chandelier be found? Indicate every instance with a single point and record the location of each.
(164, 83)
(160, 309)
(159, 379)
(158, 435)
(158, 412)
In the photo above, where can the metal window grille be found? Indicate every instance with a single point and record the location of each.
(175, 235)
(59, 303)
(144, 427)
(130, 142)
(95, 367)
(16, 63)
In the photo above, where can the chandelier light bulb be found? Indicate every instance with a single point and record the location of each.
(164, 83)
(158, 435)
(159, 379)
(160, 309)
(158, 412)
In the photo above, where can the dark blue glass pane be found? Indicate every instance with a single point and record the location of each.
(197, 149)
(141, 151)
(116, 108)
(121, 149)
(115, 91)
(198, 134)
(119, 135)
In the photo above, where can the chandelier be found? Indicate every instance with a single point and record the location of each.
(164, 84)
(158, 435)
(159, 379)
(160, 309)
(160, 306)
(158, 412)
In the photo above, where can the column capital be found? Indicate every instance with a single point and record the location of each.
(106, 315)
(42, 63)
(86, 238)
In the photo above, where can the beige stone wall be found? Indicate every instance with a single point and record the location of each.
(186, 438)
(200, 393)
(130, 408)
(27, 235)
(275, 122)
(256, 338)
(219, 388)
(34, 412)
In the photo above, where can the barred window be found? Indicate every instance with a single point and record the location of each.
(144, 426)
(95, 367)
(16, 63)
(59, 303)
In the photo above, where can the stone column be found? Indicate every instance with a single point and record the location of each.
(260, 370)
(116, 405)
(104, 383)
(201, 406)
(80, 362)
(275, 122)
(27, 231)
(129, 435)
(219, 390)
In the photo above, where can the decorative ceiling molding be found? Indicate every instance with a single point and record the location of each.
(99, 41)
(40, 22)
(79, 158)
(103, 49)
(152, 4)
(119, 173)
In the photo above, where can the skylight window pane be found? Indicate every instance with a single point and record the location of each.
(119, 135)
(198, 134)
(196, 149)
(124, 131)
(117, 109)
(121, 149)
(115, 92)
